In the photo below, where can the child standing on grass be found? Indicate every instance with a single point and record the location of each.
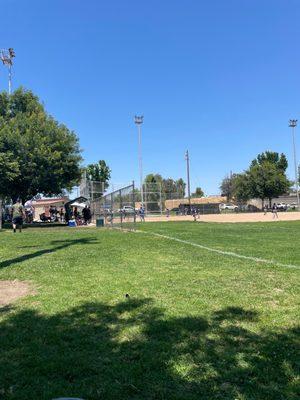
(142, 214)
(274, 211)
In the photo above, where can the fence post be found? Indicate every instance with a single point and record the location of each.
(121, 206)
(112, 208)
(133, 201)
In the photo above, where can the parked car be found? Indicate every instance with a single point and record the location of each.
(228, 206)
(291, 206)
(282, 206)
(127, 210)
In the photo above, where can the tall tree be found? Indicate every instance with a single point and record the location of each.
(198, 192)
(181, 185)
(38, 154)
(264, 179)
(241, 187)
(99, 172)
(279, 161)
(227, 186)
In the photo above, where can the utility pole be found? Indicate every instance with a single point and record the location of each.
(187, 158)
(6, 56)
(293, 124)
(138, 121)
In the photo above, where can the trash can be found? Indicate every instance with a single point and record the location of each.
(99, 222)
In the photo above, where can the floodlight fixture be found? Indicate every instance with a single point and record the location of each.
(6, 56)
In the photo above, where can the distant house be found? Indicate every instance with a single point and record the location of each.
(43, 205)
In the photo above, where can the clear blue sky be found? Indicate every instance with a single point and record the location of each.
(219, 77)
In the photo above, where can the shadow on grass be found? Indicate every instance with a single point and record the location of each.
(8, 226)
(57, 245)
(131, 350)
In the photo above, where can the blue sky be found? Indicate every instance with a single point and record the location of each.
(220, 78)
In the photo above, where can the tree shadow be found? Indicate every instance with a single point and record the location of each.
(35, 225)
(58, 245)
(132, 350)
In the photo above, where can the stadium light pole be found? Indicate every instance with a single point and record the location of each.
(138, 121)
(6, 56)
(187, 158)
(293, 124)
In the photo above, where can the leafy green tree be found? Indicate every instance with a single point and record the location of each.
(152, 187)
(241, 190)
(181, 185)
(227, 186)
(37, 154)
(266, 181)
(170, 188)
(279, 161)
(99, 172)
(198, 192)
(9, 169)
(173, 189)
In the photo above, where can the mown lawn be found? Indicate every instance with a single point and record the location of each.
(196, 325)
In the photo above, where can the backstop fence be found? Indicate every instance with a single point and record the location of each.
(115, 209)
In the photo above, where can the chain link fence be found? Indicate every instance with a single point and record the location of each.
(115, 209)
(155, 196)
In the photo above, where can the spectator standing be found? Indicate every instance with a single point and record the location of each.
(61, 214)
(86, 212)
(17, 216)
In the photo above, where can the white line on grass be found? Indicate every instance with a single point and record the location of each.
(224, 253)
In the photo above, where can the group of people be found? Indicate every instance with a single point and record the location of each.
(53, 215)
(19, 215)
(81, 218)
(194, 212)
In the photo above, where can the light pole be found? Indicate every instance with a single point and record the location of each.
(293, 124)
(6, 56)
(138, 121)
(187, 158)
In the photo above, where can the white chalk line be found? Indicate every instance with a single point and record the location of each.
(222, 252)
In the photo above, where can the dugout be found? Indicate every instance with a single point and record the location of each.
(205, 208)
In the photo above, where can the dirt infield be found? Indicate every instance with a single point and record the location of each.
(231, 217)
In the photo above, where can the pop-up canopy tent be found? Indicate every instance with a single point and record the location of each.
(78, 205)
(77, 202)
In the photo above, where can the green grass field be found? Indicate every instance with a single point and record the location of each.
(197, 325)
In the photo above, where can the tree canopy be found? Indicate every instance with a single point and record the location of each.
(198, 192)
(37, 154)
(99, 172)
(264, 179)
(170, 188)
(227, 186)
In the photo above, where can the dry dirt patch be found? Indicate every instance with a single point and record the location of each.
(11, 291)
